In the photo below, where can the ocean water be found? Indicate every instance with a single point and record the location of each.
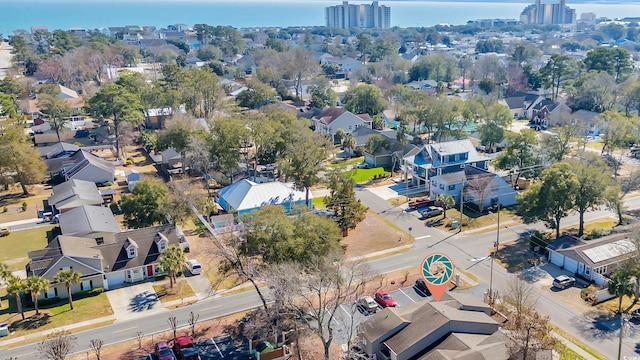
(92, 14)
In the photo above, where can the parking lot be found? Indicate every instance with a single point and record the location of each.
(217, 348)
(349, 316)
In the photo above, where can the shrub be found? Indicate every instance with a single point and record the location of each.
(48, 302)
(587, 293)
(129, 162)
(24, 206)
(5, 209)
(595, 234)
(88, 293)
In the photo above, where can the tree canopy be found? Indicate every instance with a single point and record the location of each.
(146, 204)
(364, 99)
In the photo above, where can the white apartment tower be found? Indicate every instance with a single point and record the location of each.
(548, 12)
(362, 16)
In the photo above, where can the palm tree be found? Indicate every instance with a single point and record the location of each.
(36, 285)
(68, 277)
(171, 260)
(349, 143)
(445, 201)
(15, 287)
(4, 272)
(621, 285)
(339, 135)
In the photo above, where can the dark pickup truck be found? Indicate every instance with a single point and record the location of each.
(184, 349)
(420, 202)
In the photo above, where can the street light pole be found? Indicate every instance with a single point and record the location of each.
(496, 245)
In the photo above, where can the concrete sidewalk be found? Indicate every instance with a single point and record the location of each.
(21, 222)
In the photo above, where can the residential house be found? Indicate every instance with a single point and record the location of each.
(171, 159)
(329, 120)
(58, 150)
(345, 65)
(387, 156)
(129, 257)
(521, 104)
(593, 260)
(246, 196)
(75, 102)
(95, 222)
(155, 118)
(477, 186)
(426, 161)
(459, 326)
(429, 86)
(589, 119)
(73, 193)
(541, 111)
(84, 165)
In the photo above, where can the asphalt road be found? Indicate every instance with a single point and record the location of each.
(468, 251)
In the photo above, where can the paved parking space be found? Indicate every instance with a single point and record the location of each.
(134, 300)
(199, 284)
(383, 192)
(222, 347)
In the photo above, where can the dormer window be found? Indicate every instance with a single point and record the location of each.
(161, 241)
(132, 252)
(132, 248)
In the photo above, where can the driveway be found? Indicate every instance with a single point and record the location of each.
(134, 301)
(200, 285)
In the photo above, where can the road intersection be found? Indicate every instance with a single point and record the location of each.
(467, 250)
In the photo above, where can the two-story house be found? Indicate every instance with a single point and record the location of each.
(128, 257)
(521, 104)
(329, 120)
(345, 65)
(427, 161)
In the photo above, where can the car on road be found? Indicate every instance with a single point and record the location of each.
(563, 282)
(194, 267)
(4, 231)
(420, 202)
(368, 304)
(421, 286)
(163, 352)
(430, 212)
(384, 299)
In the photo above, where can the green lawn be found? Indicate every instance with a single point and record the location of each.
(56, 315)
(364, 175)
(14, 247)
(318, 203)
(337, 163)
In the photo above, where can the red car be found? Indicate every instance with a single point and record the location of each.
(420, 202)
(384, 299)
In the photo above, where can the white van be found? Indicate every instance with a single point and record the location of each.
(194, 267)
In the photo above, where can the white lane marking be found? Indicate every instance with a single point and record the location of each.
(422, 237)
(345, 311)
(479, 259)
(217, 348)
(405, 294)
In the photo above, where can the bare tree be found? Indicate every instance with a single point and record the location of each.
(96, 346)
(520, 295)
(320, 288)
(173, 324)
(533, 334)
(193, 320)
(478, 188)
(57, 345)
(139, 336)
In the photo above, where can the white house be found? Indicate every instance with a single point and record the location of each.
(329, 120)
(595, 259)
(481, 188)
(88, 221)
(83, 165)
(346, 65)
(73, 193)
(132, 176)
(130, 256)
(245, 196)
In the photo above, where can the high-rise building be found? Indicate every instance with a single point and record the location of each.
(546, 12)
(362, 16)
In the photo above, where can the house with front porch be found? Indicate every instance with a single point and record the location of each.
(131, 256)
(427, 161)
(478, 187)
(386, 156)
(593, 260)
(95, 222)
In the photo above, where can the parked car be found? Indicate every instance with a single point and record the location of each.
(430, 212)
(563, 282)
(4, 231)
(194, 266)
(163, 352)
(420, 202)
(368, 304)
(422, 287)
(384, 299)
(184, 348)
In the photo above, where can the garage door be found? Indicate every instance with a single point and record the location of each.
(556, 258)
(115, 278)
(570, 265)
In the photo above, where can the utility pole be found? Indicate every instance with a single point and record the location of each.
(496, 245)
(461, 204)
